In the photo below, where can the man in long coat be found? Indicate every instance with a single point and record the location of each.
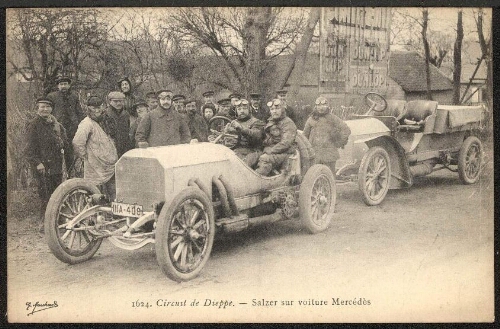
(162, 126)
(45, 149)
(93, 142)
(121, 120)
(67, 111)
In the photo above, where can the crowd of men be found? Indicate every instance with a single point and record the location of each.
(103, 131)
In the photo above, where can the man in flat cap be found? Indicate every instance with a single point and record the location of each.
(234, 97)
(93, 142)
(121, 118)
(290, 111)
(152, 100)
(67, 111)
(46, 144)
(257, 109)
(178, 101)
(141, 108)
(162, 126)
(197, 125)
(208, 98)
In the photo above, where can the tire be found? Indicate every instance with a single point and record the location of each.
(470, 160)
(317, 196)
(179, 241)
(74, 192)
(374, 194)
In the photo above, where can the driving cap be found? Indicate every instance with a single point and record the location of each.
(234, 95)
(63, 78)
(282, 92)
(255, 95)
(208, 93)
(189, 100)
(208, 106)
(44, 100)
(178, 97)
(163, 91)
(94, 101)
(116, 95)
(140, 102)
(151, 94)
(224, 101)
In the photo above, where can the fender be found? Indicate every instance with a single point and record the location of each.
(400, 170)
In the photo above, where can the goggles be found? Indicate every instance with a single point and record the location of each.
(321, 101)
(274, 102)
(241, 102)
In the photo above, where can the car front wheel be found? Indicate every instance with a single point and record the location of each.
(373, 176)
(185, 235)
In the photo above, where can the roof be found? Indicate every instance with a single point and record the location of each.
(408, 70)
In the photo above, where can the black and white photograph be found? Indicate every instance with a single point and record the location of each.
(249, 164)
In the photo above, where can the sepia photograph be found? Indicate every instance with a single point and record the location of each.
(249, 165)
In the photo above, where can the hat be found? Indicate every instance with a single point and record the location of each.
(208, 93)
(234, 95)
(139, 102)
(224, 101)
(44, 100)
(255, 95)
(94, 101)
(116, 95)
(189, 100)
(208, 106)
(151, 94)
(163, 91)
(178, 97)
(63, 78)
(124, 79)
(282, 92)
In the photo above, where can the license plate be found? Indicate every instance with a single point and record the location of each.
(125, 209)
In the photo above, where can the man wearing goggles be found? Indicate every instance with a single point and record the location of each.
(279, 140)
(163, 126)
(250, 132)
(326, 132)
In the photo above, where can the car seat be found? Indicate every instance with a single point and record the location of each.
(395, 108)
(416, 113)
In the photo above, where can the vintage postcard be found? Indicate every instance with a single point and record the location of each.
(238, 164)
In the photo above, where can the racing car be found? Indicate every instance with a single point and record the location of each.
(396, 141)
(178, 197)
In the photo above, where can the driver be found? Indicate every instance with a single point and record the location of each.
(279, 141)
(326, 132)
(250, 131)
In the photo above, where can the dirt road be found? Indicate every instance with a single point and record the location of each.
(424, 254)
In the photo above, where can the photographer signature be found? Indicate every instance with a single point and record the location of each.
(38, 307)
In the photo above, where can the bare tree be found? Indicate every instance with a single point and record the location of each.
(457, 59)
(486, 49)
(425, 22)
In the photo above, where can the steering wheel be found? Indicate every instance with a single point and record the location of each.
(376, 102)
(218, 123)
(218, 135)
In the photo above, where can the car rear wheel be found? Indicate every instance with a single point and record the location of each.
(373, 176)
(470, 160)
(67, 201)
(317, 196)
(185, 235)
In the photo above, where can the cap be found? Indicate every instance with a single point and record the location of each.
(63, 78)
(151, 94)
(224, 101)
(116, 95)
(140, 102)
(208, 106)
(234, 95)
(189, 100)
(44, 100)
(163, 91)
(178, 97)
(282, 92)
(94, 101)
(208, 93)
(255, 95)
